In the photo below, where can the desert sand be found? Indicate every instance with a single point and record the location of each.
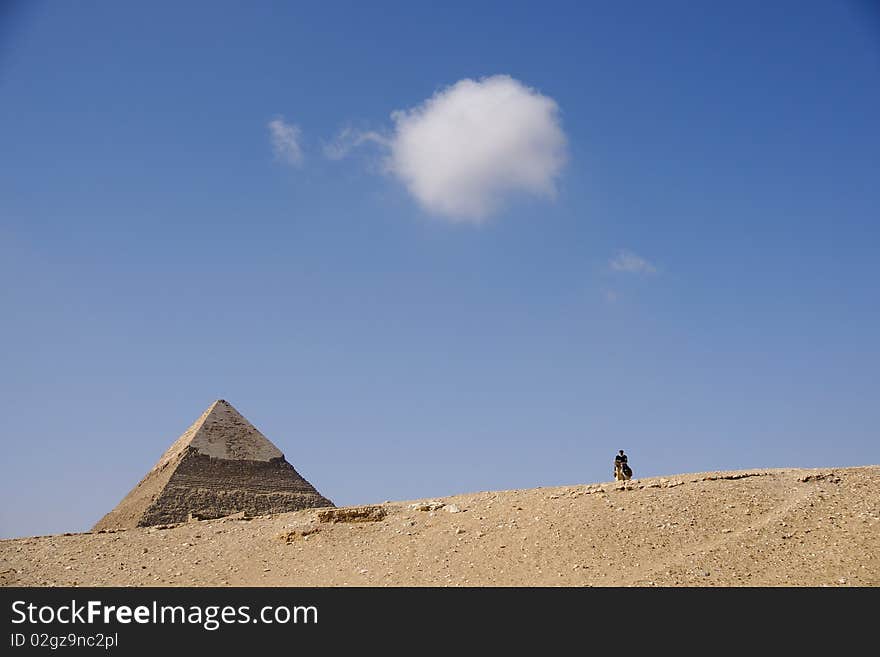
(767, 527)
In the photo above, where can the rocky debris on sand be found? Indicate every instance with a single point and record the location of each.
(368, 513)
(733, 476)
(290, 537)
(430, 505)
(156, 528)
(820, 476)
(241, 515)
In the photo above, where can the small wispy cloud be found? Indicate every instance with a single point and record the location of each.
(285, 141)
(348, 139)
(627, 261)
(465, 150)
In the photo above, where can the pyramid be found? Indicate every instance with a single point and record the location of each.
(221, 465)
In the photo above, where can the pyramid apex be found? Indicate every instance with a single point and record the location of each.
(218, 404)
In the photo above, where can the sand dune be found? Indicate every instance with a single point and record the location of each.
(772, 527)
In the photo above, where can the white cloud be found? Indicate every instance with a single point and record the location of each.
(627, 261)
(348, 139)
(285, 141)
(463, 151)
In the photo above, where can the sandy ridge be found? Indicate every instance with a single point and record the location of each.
(767, 527)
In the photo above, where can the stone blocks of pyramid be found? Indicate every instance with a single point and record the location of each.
(220, 466)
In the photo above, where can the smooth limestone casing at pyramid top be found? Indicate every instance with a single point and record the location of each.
(221, 465)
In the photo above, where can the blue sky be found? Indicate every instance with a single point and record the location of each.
(664, 239)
